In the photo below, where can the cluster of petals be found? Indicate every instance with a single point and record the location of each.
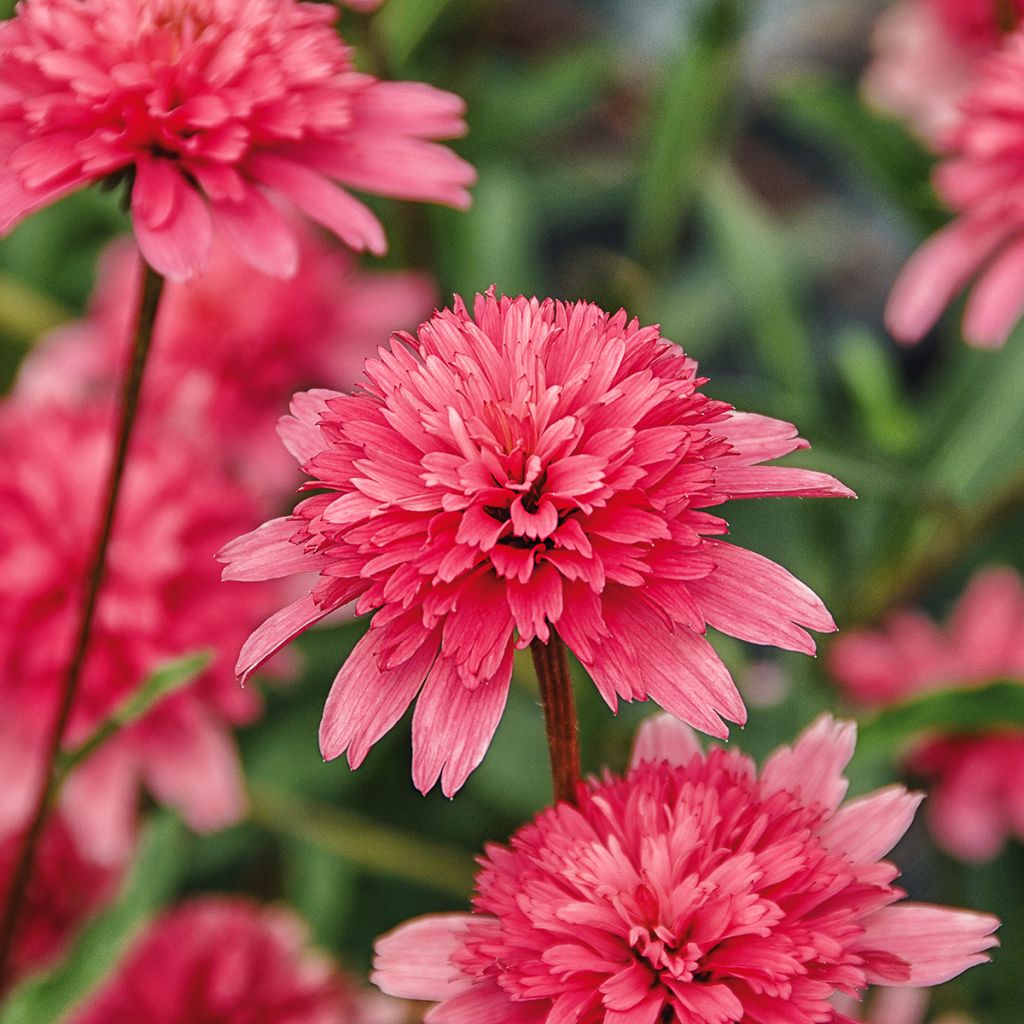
(233, 962)
(694, 890)
(926, 55)
(981, 179)
(977, 781)
(232, 346)
(66, 888)
(212, 108)
(161, 599)
(530, 467)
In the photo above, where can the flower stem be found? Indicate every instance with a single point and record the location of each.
(551, 660)
(149, 301)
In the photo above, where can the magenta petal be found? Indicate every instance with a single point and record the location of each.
(453, 724)
(321, 199)
(279, 629)
(415, 960)
(177, 246)
(938, 943)
(365, 701)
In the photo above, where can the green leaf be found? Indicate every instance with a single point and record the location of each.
(159, 867)
(688, 129)
(171, 676)
(404, 23)
(999, 705)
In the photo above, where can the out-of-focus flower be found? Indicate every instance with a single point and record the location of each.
(981, 181)
(230, 961)
(232, 346)
(528, 468)
(208, 106)
(66, 887)
(894, 1006)
(160, 599)
(926, 57)
(692, 889)
(977, 781)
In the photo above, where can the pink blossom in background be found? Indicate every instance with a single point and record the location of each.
(65, 890)
(209, 106)
(232, 346)
(529, 467)
(161, 599)
(233, 962)
(982, 181)
(976, 781)
(693, 889)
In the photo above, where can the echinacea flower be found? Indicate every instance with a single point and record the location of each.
(981, 180)
(65, 889)
(232, 346)
(976, 780)
(534, 466)
(161, 599)
(926, 55)
(210, 107)
(693, 889)
(233, 962)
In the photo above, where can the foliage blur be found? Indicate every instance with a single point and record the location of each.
(709, 165)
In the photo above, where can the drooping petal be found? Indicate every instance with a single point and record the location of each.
(415, 960)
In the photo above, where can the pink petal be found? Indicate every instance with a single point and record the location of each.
(176, 245)
(326, 203)
(757, 438)
(415, 960)
(366, 701)
(664, 738)
(937, 271)
(866, 829)
(266, 553)
(300, 432)
(938, 943)
(485, 1003)
(813, 766)
(997, 300)
(778, 482)
(281, 628)
(752, 598)
(453, 725)
(259, 233)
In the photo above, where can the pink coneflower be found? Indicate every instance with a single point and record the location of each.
(978, 780)
(694, 889)
(66, 888)
(208, 106)
(161, 599)
(527, 468)
(982, 181)
(230, 961)
(233, 345)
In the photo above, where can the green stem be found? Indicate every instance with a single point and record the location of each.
(149, 301)
(551, 660)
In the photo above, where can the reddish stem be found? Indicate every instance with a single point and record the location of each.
(551, 661)
(149, 300)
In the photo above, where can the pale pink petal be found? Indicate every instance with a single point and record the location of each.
(300, 432)
(937, 271)
(757, 438)
(752, 598)
(266, 554)
(366, 700)
(866, 829)
(323, 201)
(414, 960)
(278, 630)
(813, 766)
(664, 738)
(778, 482)
(937, 942)
(259, 233)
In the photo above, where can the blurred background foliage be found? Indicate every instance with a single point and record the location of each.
(709, 165)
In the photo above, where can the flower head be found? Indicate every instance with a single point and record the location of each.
(232, 346)
(208, 106)
(160, 600)
(977, 780)
(694, 889)
(66, 888)
(232, 962)
(982, 181)
(527, 468)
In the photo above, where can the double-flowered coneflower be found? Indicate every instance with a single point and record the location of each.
(694, 890)
(210, 108)
(531, 472)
